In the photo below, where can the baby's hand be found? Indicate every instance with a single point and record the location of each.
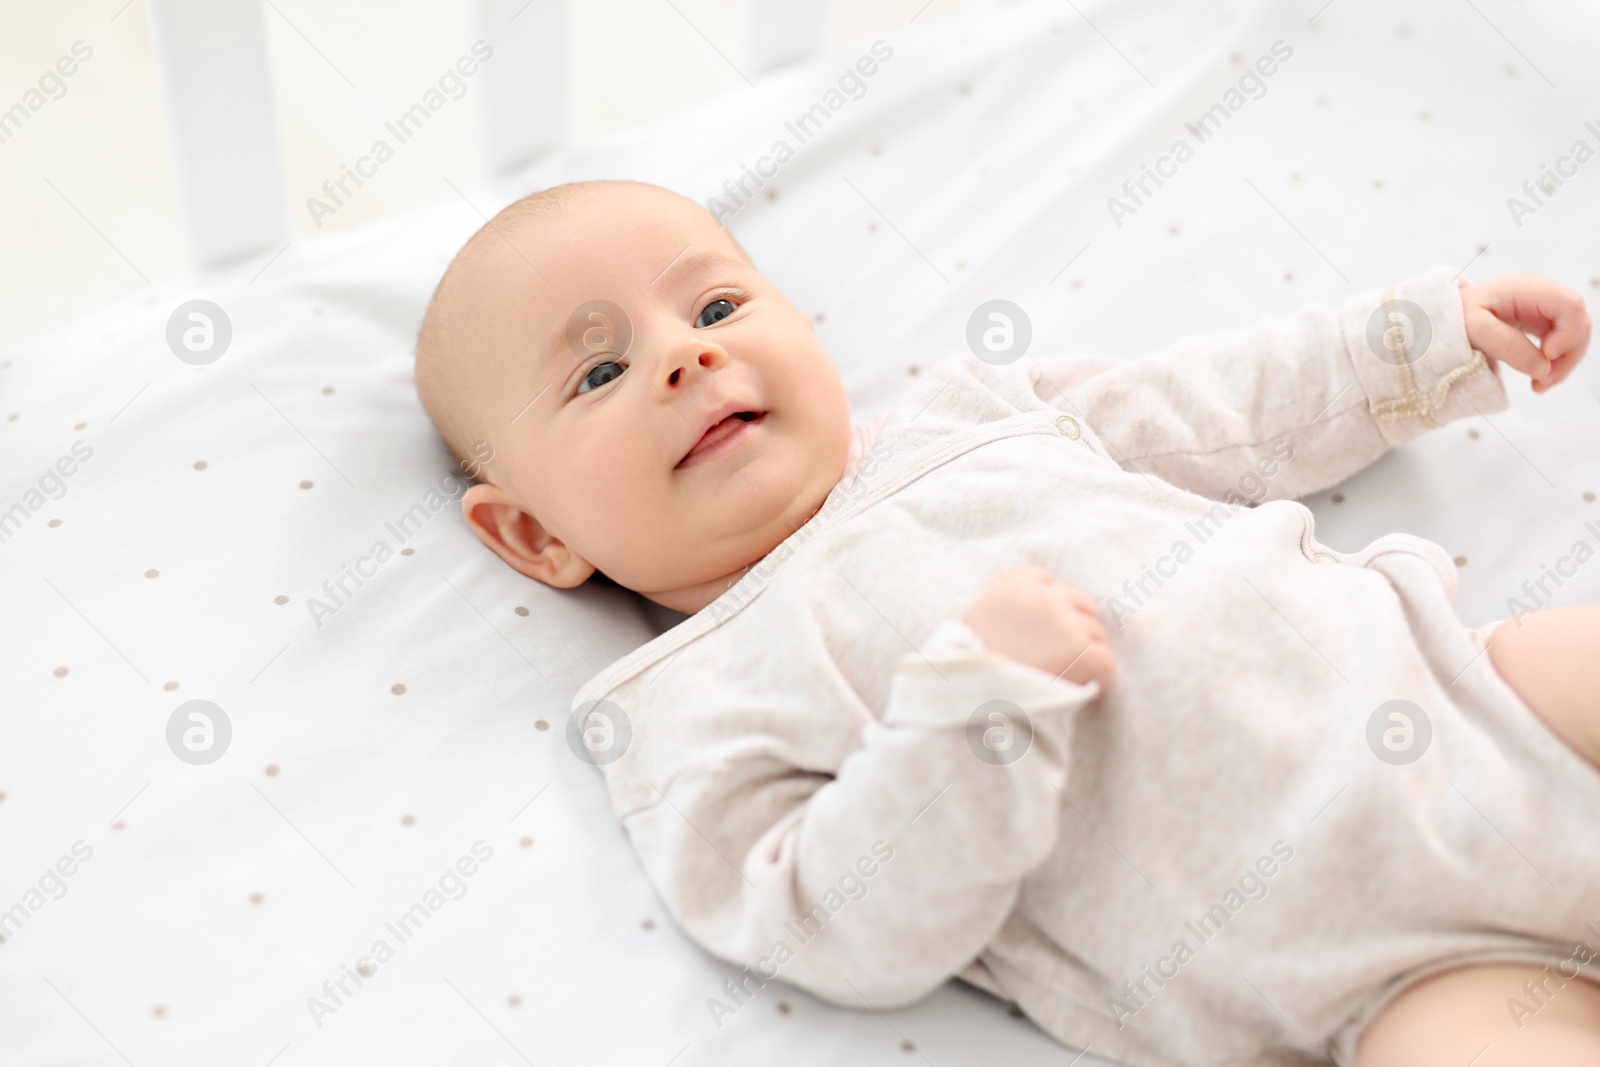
(1026, 616)
(1498, 311)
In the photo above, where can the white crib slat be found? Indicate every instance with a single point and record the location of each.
(522, 101)
(781, 31)
(212, 60)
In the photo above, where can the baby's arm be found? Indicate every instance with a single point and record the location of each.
(1294, 405)
(872, 887)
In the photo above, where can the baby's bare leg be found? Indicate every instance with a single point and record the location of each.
(1552, 660)
(1463, 1017)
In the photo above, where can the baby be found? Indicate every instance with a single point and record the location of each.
(1017, 683)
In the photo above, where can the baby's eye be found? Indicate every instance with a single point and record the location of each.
(588, 378)
(717, 310)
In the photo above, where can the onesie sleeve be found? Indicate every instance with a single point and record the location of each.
(1291, 405)
(871, 887)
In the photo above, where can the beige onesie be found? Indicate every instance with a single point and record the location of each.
(1305, 786)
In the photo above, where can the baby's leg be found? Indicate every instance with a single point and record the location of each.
(1464, 1016)
(1552, 660)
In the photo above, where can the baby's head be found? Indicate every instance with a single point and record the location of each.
(584, 340)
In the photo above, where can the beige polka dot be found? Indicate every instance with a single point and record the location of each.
(81, 425)
(905, 1043)
(963, 88)
(1511, 72)
(522, 610)
(1015, 1012)
(118, 825)
(1473, 434)
(306, 485)
(1482, 249)
(397, 688)
(783, 1007)
(1322, 101)
(538, 724)
(912, 370)
(1461, 561)
(272, 770)
(1337, 498)
(1288, 277)
(255, 898)
(1377, 183)
(14, 416)
(1172, 230)
(1588, 496)
(159, 1011)
(772, 194)
(1295, 178)
(876, 150)
(408, 820)
(1424, 116)
(2, 796)
(1077, 283)
(872, 227)
(200, 464)
(821, 316)
(408, 551)
(327, 390)
(170, 686)
(152, 573)
(513, 1000)
(316, 311)
(54, 522)
(61, 672)
(961, 266)
(280, 599)
(649, 924)
(526, 842)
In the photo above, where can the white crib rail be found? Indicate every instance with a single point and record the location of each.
(212, 59)
(781, 31)
(522, 105)
(217, 92)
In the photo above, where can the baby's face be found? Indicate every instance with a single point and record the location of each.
(658, 410)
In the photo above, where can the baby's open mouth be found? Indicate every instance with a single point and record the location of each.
(723, 437)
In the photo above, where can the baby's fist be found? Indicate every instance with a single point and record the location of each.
(1026, 616)
(1501, 310)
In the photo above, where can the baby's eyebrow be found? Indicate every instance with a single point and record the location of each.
(686, 264)
(547, 356)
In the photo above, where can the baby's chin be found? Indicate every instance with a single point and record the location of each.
(688, 569)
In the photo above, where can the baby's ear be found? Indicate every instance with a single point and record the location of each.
(520, 539)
